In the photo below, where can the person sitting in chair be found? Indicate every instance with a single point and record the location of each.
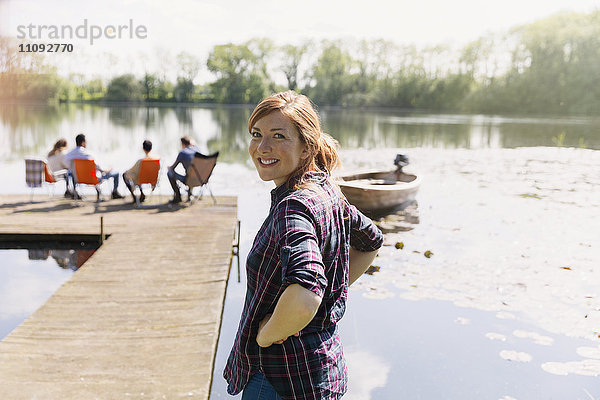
(130, 177)
(80, 153)
(56, 163)
(185, 158)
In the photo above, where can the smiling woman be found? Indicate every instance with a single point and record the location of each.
(276, 148)
(291, 128)
(311, 247)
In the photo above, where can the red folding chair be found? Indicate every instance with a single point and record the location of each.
(148, 174)
(85, 174)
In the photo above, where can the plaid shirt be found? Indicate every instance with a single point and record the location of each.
(305, 239)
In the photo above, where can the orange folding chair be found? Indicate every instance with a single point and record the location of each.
(53, 177)
(149, 171)
(85, 174)
(48, 177)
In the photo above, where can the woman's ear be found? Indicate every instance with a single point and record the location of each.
(305, 153)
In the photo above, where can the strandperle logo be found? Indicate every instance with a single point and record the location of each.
(83, 31)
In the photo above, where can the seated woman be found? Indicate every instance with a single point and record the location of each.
(130, 177)
(57, 162)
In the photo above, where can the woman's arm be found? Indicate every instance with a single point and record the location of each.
(359, 262)
(295, 308)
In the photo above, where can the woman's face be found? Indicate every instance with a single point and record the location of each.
(276, 148)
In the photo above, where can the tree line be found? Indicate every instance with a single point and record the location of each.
(548, 66)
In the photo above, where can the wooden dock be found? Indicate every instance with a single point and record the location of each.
(140, 319)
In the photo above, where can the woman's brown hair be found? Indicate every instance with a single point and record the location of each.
(60, 144)
(322, 148)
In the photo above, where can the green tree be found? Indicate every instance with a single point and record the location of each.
(95, 88)
(183, 91)
(124, 88)
(331, 80)
(553, 69)
(262, 49)
(188, 68)
(164, 90)
(238, 81)
(563, 55)
(150, 83)
(291, 56)
(188, 65)
(26, 76)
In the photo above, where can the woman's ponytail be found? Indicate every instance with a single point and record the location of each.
(327, 157)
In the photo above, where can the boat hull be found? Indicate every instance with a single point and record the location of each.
(378, 192)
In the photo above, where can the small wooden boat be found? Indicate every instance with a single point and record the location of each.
(380, 192)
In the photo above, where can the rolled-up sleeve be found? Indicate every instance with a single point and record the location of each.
(301, 259)
(364, 234)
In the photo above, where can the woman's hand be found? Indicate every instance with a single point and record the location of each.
(261, 338)
(294, 310)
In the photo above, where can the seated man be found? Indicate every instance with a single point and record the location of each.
(185, 158)
(81, 153)
(130, 177)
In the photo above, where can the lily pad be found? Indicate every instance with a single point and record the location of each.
(372, 269)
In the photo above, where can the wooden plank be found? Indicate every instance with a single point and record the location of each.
(140, 319)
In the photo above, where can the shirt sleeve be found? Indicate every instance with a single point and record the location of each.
(178, 160)
(69, 160)
(364, 234)
(301, 260)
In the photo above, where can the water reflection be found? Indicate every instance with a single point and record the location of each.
(232, 133)
(402, 220)
(367, 372)
(65, 258)
(25, 129)
(126, 117)
(29, 276)
(401, 349)
(31, 129)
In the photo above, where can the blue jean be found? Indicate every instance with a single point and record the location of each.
(173, 178)
(68, 176)
(259, 388)
(114, 176)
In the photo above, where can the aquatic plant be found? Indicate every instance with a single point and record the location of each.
(559, 140)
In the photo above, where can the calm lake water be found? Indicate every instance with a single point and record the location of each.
(508, 306)
(28, 277)
(119, 130)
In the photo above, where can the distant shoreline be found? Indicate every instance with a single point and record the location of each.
(324, 108)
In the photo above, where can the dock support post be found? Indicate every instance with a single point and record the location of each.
(101, 230)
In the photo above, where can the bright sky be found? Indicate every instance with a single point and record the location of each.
(196, 25)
